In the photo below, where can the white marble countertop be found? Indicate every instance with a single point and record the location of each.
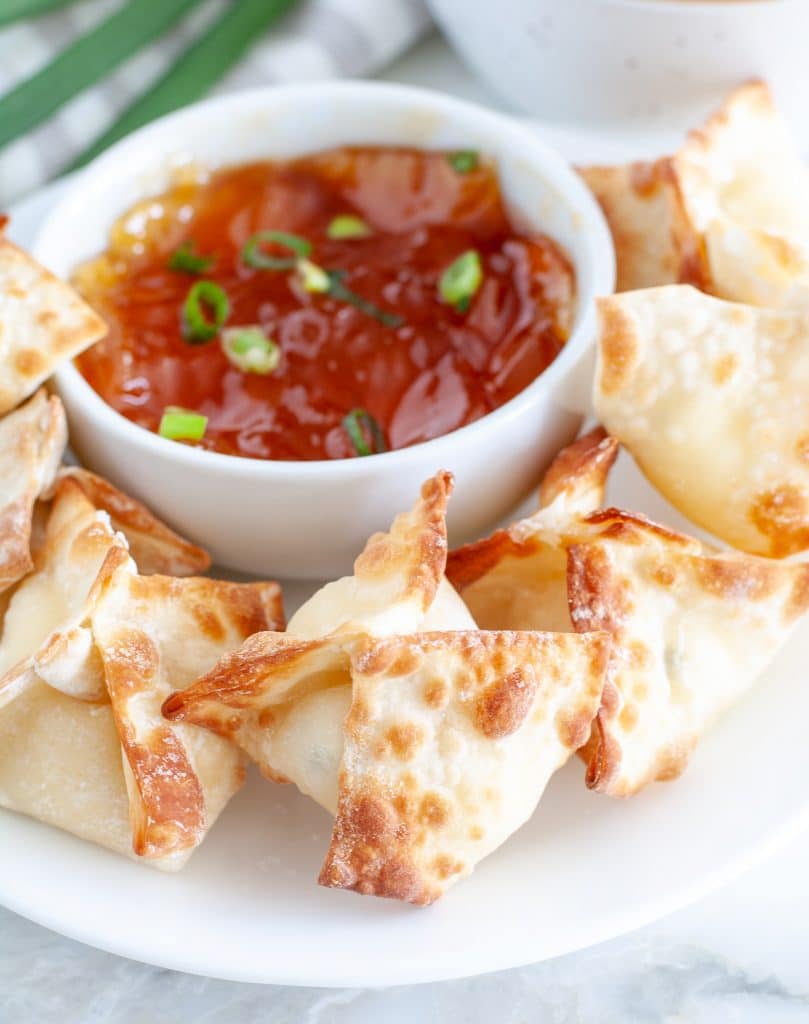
(741, 955)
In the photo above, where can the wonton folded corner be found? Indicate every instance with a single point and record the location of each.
(728, 212)
(710, 397)
(89, 651)
(44, 321)
(692, 628)
(430, 740)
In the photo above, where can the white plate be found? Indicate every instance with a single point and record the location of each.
(584, 869)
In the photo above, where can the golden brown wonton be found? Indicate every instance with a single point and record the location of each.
(430, 748)
(154, 546)
(516, 578)
(692, 628)
(710, 397)
(32, 441)
(43, 322)
(729, 212)
(89, 651)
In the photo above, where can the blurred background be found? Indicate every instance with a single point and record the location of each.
(75, 75)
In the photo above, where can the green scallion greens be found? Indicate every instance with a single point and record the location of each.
(16, 10)
(251, 350)
(254, 252)
(178, 424)
(187, 260)
(364, 432)
(348, 226)
(212, 55)
(205, 311)
(461, 280)
(86, 61)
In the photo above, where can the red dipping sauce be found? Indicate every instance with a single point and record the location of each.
(440, 368)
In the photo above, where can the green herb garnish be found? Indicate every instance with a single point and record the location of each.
(339, 291)
(347, 225)
(313, 278)
(364, 433)
(204, 297)
(464, 160)
(250, 350)
(253, 254)
(188, 261)
(178, 424)
(461, 280)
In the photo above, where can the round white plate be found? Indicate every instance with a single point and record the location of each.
(584, 869)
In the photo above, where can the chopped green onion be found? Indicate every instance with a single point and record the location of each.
(464, 160)
(364, 433)
(188, 261)
(347, 225)
(254, 255)
(250, 350)
(197, 328)
(339, 291)
(461, 280)
(313, 278)
(179, 424)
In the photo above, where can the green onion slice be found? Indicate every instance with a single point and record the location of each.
(188, 261)
(464, 160)
(339, 291)
(253, 254)
(313, 278)
(250, 350)
(364, 433)
(461, 280)
(347, 225)
(179, 424)
(204, 297)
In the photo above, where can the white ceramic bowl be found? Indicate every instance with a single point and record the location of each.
(591, 60)
(309, 519)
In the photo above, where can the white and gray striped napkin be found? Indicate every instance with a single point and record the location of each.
(319, 39)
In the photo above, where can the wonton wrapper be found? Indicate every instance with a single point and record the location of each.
(712, 400)
(398, 585)
(729, 212)
(32, 441)
(401, 735)
(43, 323)
(154, 546)
(516, 578)
(449, 740)
(89, 651)
(692, 630)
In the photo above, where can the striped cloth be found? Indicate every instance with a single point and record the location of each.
(319, 39)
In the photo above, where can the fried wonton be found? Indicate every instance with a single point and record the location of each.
(43, 322)
(692, 629)
(397, 729)
(32, 441)
(729, 212)
(441, 751)
(155, 547)
(517, 577)
(398, 585)
(710, 397)
(89, 651)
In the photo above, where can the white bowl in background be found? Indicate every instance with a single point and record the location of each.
(309, 519)
(597, 60)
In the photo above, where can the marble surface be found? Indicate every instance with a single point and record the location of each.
(741, 955)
